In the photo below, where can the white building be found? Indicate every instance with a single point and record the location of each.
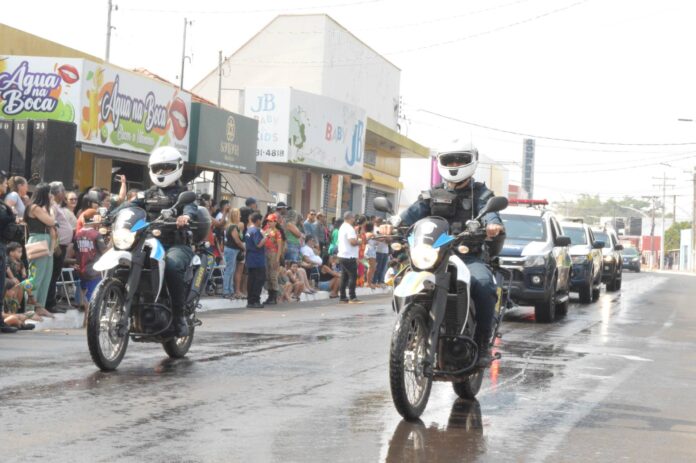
(314, 54)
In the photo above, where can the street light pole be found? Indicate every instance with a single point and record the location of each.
(183, 53)
(109, 27)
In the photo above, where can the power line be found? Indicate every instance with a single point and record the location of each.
(264, 10)
(543, 137)
(442, 19)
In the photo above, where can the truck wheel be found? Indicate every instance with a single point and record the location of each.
(545, 312)
(586, 293)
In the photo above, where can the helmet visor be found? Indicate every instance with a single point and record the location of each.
(456, 159)
(164, 168)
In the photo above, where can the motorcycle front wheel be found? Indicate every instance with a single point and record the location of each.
(106, 340)
(410, 387)
(177, 348)
(468, 388)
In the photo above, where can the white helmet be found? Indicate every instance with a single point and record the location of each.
(166, 166)
(458, 163)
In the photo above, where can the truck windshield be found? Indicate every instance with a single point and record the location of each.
(524, 227)
(576, 235)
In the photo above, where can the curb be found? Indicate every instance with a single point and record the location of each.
(72, 319)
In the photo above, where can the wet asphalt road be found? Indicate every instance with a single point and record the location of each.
(613, 381)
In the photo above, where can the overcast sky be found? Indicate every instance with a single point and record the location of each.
(620, 72)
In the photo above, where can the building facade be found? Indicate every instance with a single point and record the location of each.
(313, 54)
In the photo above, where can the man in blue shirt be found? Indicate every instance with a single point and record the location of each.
(255, 240)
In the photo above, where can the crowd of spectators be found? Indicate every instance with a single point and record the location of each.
(290, 254)
(52, 228)
(41, 235)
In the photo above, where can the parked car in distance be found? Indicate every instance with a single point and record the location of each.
(612, 263)
(631, 259)
(586, 256)
(536, 252)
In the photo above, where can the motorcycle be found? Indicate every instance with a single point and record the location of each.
(433, 336)
(132, 301)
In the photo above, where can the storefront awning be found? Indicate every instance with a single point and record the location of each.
(392, 142)
(382, 179)
(246, 186)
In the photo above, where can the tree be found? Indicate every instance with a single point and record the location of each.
(673, 235)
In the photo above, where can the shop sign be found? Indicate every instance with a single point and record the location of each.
(40, 88)
(307, 129)
(222, 140)
(111, 107)
(271, 108)
(132, 112)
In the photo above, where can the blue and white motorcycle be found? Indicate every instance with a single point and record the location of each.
(132, 301)
(433, 337)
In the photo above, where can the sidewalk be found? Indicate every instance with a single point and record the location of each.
(72, 319)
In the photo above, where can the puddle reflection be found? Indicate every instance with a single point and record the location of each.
(461, 439)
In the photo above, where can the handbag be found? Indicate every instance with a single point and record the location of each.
(37, 250)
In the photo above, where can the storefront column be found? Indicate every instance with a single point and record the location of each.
(339, 197)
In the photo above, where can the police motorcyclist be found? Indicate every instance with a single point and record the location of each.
(459, 199)
(166, 166)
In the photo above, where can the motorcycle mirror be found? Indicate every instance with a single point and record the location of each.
(619, 247)
(186, 197)
(495, 204)
(598, 245)
(382, 204)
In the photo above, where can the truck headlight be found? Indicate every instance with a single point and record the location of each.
(535, 261)
(123, 238)
(424, 256)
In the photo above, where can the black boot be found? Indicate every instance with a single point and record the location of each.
(180, 324)
(272, 295)
(484, 351)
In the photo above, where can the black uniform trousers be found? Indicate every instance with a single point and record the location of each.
(177, 260)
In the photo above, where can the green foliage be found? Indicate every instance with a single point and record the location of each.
(672, 235)
(591, 207)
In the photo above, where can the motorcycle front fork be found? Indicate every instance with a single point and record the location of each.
(437, 312)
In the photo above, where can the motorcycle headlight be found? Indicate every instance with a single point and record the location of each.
(608, 258)
(123, 238)
(535, 261)
(423, 256)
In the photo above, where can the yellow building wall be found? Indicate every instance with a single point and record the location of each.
(16, 42)
(385, 163)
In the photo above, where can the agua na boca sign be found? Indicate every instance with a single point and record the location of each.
(110, 106)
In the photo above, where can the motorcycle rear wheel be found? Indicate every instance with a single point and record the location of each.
(410, 387)
(471, 386)
(177, 348)
(106, 347)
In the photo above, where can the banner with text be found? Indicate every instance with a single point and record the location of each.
(111, 107)
(40, 88)
(132, 112)
(303, 128)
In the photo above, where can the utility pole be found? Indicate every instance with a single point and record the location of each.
(220, 79)
(664, 201)
(109, 27)
(183, 53)
(692, 262)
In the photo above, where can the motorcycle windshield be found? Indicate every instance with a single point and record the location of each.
(432, 231)
(128, 217)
